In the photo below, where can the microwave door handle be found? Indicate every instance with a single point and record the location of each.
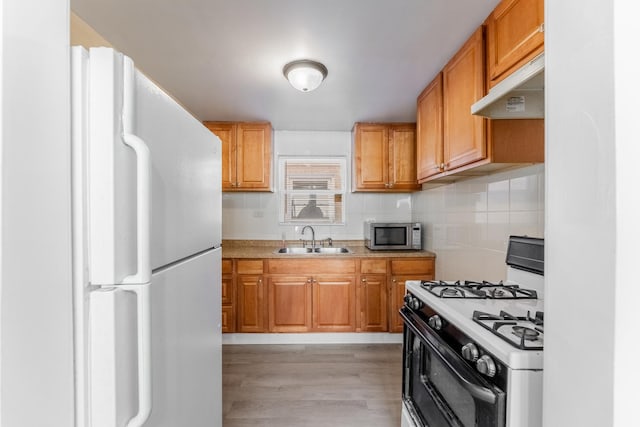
(455, 365)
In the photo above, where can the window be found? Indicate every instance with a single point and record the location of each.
(312, 190)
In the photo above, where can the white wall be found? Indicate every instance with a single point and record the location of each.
(36, 348)
(255, 215)
(591, 372)
(468, 223)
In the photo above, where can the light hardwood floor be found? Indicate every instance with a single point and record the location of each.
(312, 385)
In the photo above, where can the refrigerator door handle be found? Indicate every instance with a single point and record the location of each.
(144, 352)
(143, 179)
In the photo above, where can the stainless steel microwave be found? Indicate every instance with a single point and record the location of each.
(393, 236)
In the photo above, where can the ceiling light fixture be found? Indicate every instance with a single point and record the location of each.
(305, 75)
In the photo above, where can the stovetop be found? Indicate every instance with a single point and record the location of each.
(459, 311)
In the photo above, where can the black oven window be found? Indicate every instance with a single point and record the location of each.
(391, 236)
(457, 398)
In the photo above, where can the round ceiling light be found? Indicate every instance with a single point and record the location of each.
(305, 75)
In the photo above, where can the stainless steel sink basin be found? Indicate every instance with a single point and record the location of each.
(304, 251)
(332, 251)
(294, 251)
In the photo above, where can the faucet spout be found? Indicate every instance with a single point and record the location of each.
(313, 235)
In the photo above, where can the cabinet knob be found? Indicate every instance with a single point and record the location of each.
(541, 28)
(363, 280)
(390, 185)
(441, 166)
(259, 281)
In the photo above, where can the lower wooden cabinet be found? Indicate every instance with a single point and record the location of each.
(318, 295)
(289, 304)
(373, 303)
(401, 271)
(333, 307)
(228, 304)
(251, 300)
(228, 297)
(250, 288)
(373, 295)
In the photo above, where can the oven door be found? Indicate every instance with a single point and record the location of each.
(439, 388)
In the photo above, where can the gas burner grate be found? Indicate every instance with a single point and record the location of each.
(475, 289)
(455, 289)
(525, 332)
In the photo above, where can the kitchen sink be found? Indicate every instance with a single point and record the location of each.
(294, 251)
(310, 251)
(332, 250)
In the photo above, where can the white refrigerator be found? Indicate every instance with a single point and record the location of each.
(146, 251)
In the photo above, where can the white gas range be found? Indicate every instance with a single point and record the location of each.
(473, 350)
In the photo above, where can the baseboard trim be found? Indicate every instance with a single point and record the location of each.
(314, 338)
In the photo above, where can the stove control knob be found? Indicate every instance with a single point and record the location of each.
(470, 352)
(435, 322)
(412, 302)
(486, 366)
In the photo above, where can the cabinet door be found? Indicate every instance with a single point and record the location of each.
(429, 130)
(463, 84)
(289, 304)
(253, 156)
(515, 35)
(228, 297)
(228, 319)
(402, 157)
(333, 304)
(251, 303)
(373, 302)
(227, 134)
(371, 157)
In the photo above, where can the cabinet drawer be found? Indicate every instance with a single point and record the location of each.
(227, 266)
(249, 266)
(373, 266)
(412, 266)
(309, 266)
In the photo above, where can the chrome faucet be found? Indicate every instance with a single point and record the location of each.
(313, 235)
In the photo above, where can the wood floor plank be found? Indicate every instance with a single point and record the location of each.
(312, 385)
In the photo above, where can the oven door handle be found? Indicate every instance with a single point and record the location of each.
(469, 379)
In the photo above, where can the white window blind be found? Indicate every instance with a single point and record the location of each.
(312, 190)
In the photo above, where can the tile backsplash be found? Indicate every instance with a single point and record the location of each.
(468, 223)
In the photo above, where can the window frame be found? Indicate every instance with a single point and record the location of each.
(283, 192)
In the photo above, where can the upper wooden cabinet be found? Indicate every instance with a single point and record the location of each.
(453, 143)
(462, 85)
(429, 130)
(246, 155)
(515, 35)
(384, 157)
(448, 135)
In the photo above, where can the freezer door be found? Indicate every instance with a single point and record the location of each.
(186, 342)
(111, 174)
(186, 176)
(154, 175)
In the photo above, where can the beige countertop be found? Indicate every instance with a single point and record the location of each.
(267, 248)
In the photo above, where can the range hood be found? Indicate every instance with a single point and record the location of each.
(519, 96)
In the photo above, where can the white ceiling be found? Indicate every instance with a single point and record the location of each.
(223, 59)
